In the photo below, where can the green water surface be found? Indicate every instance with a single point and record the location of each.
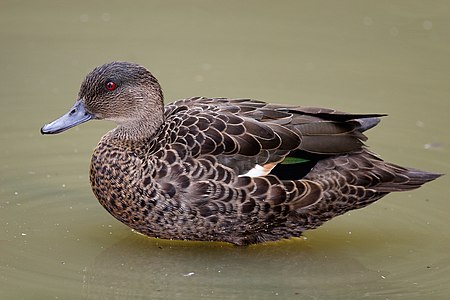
(57, 242)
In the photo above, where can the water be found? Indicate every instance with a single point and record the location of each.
(57, 242)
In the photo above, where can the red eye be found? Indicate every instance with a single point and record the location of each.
(111, 86)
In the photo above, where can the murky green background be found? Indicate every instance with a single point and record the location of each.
(56, 242)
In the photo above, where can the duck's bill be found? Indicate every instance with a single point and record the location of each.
(76, 115)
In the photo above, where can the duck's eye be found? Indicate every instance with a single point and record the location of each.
(110, 86)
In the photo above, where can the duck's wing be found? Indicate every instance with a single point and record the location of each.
(244, 133)
(227, 139)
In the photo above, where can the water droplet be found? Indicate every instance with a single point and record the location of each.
(309, 66)
(368, 21)
(206, 67)
(84, 18)
(106, 17)
(394, 31)
(427, 25)
(433, 145)
(198, 78)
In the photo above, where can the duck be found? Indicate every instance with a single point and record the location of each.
(240, 171)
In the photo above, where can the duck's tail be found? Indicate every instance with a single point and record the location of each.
(406, 179)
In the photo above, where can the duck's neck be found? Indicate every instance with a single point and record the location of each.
(143, 122)
(138, 130)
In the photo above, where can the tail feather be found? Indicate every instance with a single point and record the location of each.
(367, 123)
(408, 180)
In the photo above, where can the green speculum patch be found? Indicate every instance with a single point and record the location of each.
(288, 160)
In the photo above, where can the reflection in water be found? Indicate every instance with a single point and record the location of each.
(139, 267)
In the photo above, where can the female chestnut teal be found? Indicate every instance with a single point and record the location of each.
(215, 169)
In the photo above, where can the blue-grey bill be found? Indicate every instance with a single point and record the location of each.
(76, 115)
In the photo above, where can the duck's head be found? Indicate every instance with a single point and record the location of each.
(123, 92)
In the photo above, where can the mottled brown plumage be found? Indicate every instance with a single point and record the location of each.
(187, 170)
